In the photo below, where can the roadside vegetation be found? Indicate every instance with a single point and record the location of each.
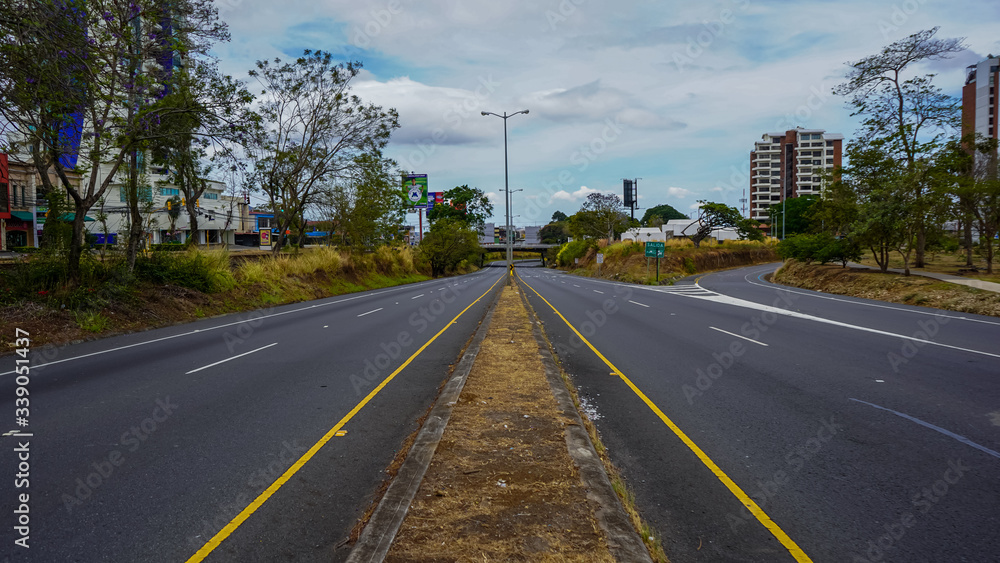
(626, 261)
(170, 287)
(895, 288)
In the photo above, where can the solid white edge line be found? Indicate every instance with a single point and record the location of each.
(820, 295)
(421, 295)
(232, 358)
(639, 304)
(737, 335)
(372, 311)
(254, 319)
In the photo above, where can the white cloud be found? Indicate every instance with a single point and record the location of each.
(678, 192)
(579, 195)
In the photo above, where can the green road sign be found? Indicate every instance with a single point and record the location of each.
(654, 249)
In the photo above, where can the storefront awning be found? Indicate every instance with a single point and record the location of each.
(22, 215)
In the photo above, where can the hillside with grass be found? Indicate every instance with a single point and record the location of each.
(168, 288)
(626, 261)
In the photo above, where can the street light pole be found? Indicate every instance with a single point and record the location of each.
(506, 183)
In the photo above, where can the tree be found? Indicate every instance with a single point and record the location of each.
(601, 216)
(554, 233)
(78, 81)
(794, 217)
(316, 130)
(448, 243)
(469, 206)
(712, 216)
(662, 212)
(559, 216)
(366, 208)
(910, 116)
(210, 113)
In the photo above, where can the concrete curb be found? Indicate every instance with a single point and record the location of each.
(623, 540)
(382, 527)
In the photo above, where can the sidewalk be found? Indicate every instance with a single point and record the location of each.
(507, 480)
(978, 284)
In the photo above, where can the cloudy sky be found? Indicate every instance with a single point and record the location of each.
(674, 93)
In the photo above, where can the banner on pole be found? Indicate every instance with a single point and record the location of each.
(416, 189)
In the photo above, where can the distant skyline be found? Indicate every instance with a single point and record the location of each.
(672, 93)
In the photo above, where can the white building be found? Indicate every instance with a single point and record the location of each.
(787, 164)
(675, 228)
(218, 214)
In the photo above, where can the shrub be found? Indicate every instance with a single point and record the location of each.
(572, 250)
(820, 247)
(205, 271)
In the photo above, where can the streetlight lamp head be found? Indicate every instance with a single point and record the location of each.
(525, 112)
(484, 113)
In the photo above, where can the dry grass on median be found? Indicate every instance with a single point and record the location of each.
(501, 486)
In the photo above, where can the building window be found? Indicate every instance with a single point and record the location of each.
(170, 191)
(145, 193)
(264, 222)
(210, 195)
(829, 161)
(829, 143)
(829, 152)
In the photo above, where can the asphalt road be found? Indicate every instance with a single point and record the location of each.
(145, 446)
(861, 430)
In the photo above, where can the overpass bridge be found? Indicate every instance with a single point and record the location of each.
(517, 247)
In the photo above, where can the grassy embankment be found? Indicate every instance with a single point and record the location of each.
(173, 287)
(892, 287)
(626, 261)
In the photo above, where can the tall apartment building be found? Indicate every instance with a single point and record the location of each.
(789, 164)
(979, 98)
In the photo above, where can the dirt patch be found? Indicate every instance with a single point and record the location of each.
(895, 288)
(501, 486)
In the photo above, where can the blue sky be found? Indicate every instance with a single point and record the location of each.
(674, 93)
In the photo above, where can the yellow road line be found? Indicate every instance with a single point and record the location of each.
(744, 498)
(260, 500)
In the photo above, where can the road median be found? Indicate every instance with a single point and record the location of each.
(513, 475)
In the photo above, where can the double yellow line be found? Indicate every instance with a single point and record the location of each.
(744, 498)
(235, 523)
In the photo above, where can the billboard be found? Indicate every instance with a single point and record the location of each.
(416, 189)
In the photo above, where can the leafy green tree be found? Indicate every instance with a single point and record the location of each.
(316, 130)
(663, 212)
(909, 117)
(447, 244)
(464, 204)
(554, 233)
(796, 217)
(559, 216)
(83, 67)
(367, 208)
(712, 216)
(601, 216)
